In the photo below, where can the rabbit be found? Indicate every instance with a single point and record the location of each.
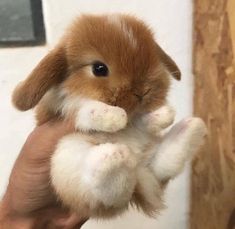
(109, 75)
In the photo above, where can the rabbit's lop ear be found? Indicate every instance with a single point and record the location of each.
(50, 71)
(169, 63)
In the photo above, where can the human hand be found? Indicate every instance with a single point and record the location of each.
(29, 201)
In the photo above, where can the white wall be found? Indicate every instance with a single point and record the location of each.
(171, 20)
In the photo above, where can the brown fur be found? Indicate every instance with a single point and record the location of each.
(133, 70)
(49, 72)
(141, 203)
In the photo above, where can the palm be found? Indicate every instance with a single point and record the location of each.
(29, 189)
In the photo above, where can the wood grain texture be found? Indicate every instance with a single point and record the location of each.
(213, 170)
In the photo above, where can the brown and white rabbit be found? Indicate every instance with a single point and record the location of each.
(111, 77)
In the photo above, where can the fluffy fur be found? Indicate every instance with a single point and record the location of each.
(118, 156)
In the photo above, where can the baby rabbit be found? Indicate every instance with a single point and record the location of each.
(109, 75)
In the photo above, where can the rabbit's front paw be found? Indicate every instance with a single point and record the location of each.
(159, 119)
(95, 115)
(108, 118)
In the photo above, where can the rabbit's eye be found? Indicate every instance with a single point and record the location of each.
(99, 69)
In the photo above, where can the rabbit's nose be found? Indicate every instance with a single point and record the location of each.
(140, 97)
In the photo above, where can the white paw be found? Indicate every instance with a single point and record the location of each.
(95, 115)
(178, 146)
(110, 173)
(108, 158)
(191, 131)
(160, 119)
(108, 118)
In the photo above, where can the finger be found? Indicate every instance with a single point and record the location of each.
(52, 130)
(61, 127)
(42, 142)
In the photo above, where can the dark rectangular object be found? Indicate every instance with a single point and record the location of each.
(21, 23)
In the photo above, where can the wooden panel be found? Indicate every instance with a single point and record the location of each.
(213, 176)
